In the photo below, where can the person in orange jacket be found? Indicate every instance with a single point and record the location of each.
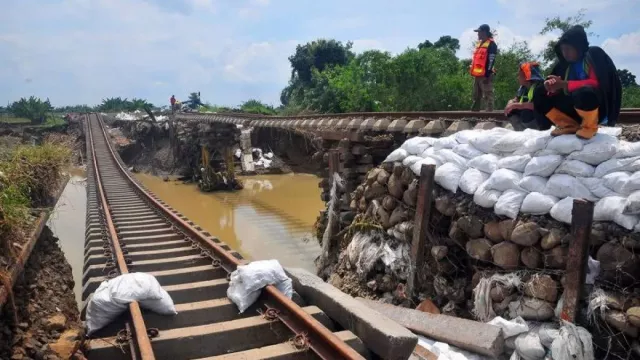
(583, 90)
(482, 69)
(520, 110)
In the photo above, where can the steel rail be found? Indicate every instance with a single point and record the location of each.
(627, 116)
(321, 340)
(142, 338)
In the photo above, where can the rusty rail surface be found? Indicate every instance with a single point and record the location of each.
(130, 229)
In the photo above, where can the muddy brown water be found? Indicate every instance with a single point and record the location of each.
(271, 218)
(67, 222)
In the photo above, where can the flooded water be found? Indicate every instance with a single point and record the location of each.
(271, 218)
(68, 224)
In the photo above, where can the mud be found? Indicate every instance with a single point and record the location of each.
(47, 323)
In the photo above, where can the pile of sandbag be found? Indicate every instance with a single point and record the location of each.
(531, 172)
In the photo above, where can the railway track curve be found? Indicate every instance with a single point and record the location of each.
(426, 122)
(129, 229)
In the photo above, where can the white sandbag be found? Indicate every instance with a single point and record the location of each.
(533, 145)
(548, 332)
(613, 165)
(536, 203)
(471, 180)
(451, 157)
(426, 161)
(416, 145)
(612, 209)
(632, 204)
(561, 211)
(543, 165)
(509, 142)
(528, 346)
(565, 144)
(563, 185)
(597, 187)
(515, 162)
(467, 151)
(616, 181)
(533, 183)
(611, 131)
(632, 184)
(397, 155)
(575, 168)
(574, 343)
(113, 296)
(448, 142)
(599, 149)
(431, 152)
(628, 149)
(504, 179)
(510, 328)
(509, 203)
(248, 280)
(486, 163)
(605, 209)
(486, 140)
(448, 176)
(485, 197)
(410, 160)
(466, 136)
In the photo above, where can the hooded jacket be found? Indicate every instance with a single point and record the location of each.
(609, 86)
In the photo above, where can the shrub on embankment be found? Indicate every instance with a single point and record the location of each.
(29, 176)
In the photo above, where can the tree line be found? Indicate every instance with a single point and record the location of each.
(327, 77)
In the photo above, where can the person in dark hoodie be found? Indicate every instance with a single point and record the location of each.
(520, 110)
(583, 90)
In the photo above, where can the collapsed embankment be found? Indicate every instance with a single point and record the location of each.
(479, 264)
(175, 148)
(40, 316)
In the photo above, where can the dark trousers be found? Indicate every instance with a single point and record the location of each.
(585, 98)
(528, 119)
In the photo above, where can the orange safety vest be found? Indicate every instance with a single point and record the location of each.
(479, 61)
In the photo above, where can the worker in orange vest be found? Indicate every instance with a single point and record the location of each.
(482, 69)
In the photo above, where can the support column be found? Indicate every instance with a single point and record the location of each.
(246, 159)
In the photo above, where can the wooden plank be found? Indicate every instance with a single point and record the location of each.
(421, 227)
(581, 221)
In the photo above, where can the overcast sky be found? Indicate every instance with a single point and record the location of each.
(80, 51)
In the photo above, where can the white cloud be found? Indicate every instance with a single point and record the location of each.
(625, 51)
(263, 62)
(362, 45)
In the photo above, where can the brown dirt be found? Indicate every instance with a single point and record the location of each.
(49, 325)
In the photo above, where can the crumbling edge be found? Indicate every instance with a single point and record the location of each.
(16, 269)
(380, 334)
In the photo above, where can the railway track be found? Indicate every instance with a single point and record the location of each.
(129, 229)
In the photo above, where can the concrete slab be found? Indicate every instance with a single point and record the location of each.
(469, 335)
(383, 336)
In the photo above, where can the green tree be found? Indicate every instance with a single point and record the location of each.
(33, 109)
(319, 54)
(253, 106)
(447, 42)
(562, 25)
(627, 78)
(631, 97)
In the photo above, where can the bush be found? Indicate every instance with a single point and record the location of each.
(29, 175)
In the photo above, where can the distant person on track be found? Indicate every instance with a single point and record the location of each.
(173, 102)
(583, 90)
(520, 110)
(482, 69)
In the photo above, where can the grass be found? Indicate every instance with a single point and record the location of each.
(29, 175)
(51, 120)
(8, 119)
